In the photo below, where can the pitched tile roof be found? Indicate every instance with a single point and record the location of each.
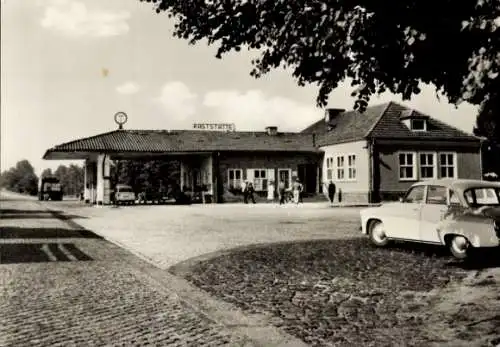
(349, 126)
(390, 126)
(159, 141)
(382, 121)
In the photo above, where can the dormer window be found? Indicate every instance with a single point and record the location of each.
(414, 120)
(418, 124)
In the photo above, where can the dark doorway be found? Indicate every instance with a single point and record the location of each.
(308, 176)
(285, 176)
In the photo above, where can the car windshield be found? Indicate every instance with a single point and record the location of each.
(125, 190)
(482, 196)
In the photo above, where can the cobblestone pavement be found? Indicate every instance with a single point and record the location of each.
(168, 235)
(62, 287)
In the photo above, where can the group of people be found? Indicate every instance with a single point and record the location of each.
(297, 188)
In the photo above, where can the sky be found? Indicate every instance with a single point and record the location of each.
(67, 66)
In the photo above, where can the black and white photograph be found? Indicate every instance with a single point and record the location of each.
(250, 173)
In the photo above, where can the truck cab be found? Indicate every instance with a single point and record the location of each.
(50, 188)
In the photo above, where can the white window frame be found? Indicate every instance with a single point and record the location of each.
(414, 166)
(231, 181)
(455, 164)
(351, 168)
(258, 183)
(329, 168)
(418, 119)
(339, 169)
(434, 165)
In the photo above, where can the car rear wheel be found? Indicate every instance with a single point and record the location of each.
(377, 233)
(460, 247)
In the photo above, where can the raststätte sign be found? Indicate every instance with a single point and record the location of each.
(215, 126)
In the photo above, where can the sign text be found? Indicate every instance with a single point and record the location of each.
(215, 126)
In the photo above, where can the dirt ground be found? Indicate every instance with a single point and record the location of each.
(467, 313)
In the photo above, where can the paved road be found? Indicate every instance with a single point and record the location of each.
(167, 235)
(60, 286)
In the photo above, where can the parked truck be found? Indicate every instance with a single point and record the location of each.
(50, 188)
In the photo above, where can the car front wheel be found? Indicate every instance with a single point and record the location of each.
(460, 247)
(377, 233)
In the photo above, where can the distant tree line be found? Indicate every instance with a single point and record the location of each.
(20, 178)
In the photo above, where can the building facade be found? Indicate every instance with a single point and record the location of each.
(378, 155)
(370, 157)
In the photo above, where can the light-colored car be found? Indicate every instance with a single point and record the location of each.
(124, 194)
(459, 214)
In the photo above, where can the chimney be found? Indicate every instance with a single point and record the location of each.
(272, 130)
(331, 113)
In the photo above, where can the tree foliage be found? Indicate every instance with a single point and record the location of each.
(47, 173)
(488, 125)
(145, 174)
(380, 45)
(21, 178)
(71, 178)
(488, 122)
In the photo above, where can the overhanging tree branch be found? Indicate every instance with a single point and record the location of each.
(380, 45)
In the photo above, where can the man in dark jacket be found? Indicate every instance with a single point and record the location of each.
(282, 192)
(249, 193)
(331, 191)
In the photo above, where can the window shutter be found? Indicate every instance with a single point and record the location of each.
(250, 177)
(270, 175)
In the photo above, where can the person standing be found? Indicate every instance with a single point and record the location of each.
(244, 189)
(301, 192)
(281, 191)
(297, 188)
(270, 191)
(250, 191)
(331, 191)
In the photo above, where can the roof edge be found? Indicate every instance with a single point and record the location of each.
(456, 129)
(353, 139)
(84, 138)
(311, 125)
(367, 134)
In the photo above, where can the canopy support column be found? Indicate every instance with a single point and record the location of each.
(216, 182)
(103, 180)
(86, 182)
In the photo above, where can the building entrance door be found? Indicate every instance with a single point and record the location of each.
(307, 175)
(196, 178)
(284, 175)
